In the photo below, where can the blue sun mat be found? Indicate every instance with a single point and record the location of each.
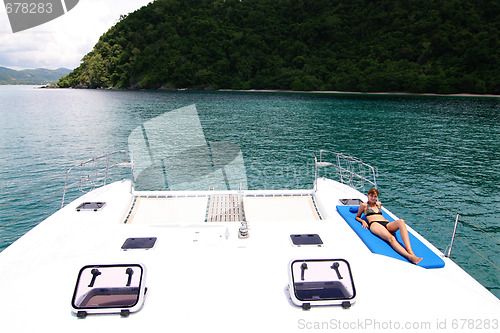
(379, 246)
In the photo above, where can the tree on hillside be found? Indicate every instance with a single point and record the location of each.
(362, 45)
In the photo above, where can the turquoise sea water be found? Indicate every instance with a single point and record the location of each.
(431, 152)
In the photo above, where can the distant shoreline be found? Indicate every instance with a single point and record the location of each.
(362, 93)
(333, 92)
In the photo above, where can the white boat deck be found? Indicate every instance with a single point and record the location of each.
(201, 276)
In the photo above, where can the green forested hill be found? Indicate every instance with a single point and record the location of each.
(446, 46)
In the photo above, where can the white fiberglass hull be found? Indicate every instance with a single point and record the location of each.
(202, 276)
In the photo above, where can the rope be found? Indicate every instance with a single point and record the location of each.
(436, 203)
(425, 198)
(440, 227)
(484, 231)
(470, 247)
(350, 168)
(415, 212)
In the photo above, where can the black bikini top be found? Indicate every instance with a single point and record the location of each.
(370, 211)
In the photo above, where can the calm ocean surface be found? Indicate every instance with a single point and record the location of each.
(431, 152)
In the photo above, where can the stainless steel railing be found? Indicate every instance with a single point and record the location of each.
(348, 170)
(95, 172)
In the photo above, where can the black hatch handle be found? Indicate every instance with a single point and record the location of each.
(129, 272)
(335, 267)
(303, 268)
(95, 273)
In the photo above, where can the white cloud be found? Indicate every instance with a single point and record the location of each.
(63, 41)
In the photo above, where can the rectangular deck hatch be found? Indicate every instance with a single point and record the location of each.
(306, 239)
(142, 243)
(321, 282)
(90, 206)
(348, 202)
(109, 289)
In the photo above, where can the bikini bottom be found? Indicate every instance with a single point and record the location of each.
(383, 223)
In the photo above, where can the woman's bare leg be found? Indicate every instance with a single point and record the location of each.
(380, 231)
(401, 226)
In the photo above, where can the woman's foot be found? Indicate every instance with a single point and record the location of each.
(414, 259)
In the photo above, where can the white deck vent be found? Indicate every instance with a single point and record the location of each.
(225, 208)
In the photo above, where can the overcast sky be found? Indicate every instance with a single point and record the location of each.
(63, 41)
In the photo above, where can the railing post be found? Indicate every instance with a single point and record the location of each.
(64, 189)
(340, 169)
(132, 182)
(106, 169)
(448, 249)
(316, 172)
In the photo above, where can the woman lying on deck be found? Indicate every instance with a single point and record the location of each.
(382, 228)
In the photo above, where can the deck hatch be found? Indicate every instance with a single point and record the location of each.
(348, 202)
(109, 289)
(321, 282)
(143, 243)
(90, 206)
(306, 239)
